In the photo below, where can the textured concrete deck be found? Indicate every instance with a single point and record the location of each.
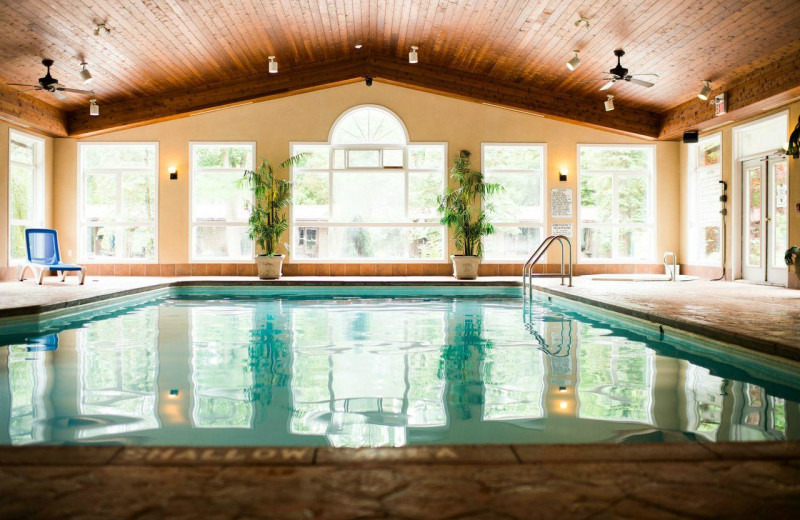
(458, 482)
(758, 317)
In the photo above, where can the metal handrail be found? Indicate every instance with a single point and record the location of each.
(527, 269)
(673, 274)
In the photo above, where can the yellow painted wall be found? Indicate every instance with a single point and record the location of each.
(48, 183)
(308, 117)
(728, 153)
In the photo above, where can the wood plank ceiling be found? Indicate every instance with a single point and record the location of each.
(163, 46)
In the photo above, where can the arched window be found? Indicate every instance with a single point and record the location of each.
(368, 193)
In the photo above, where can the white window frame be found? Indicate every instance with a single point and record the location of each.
(37, 170)
(695, 224)
(230, 223)
(331, 171)
(541, 224)
(82, 223)
(615, 175)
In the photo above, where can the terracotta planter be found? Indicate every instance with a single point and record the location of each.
(465, 267)
(269, 267)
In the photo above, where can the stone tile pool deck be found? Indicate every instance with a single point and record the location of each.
(685, 480)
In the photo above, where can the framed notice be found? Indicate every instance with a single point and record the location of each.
(561, 228)
(561, 203)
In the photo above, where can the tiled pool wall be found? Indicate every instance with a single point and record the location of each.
(343, 269)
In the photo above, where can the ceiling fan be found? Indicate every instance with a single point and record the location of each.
(50, 84)
(620, 73)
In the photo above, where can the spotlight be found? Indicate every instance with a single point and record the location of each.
(368, 81)
(705, 91)
(574, 62)
(86, 76)
(609, 103)
(273, 65)
(94, 108)
(412, 56)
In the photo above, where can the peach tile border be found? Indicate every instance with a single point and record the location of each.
(365, 269)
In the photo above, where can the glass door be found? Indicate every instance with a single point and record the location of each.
(765, 224)
(778, 220)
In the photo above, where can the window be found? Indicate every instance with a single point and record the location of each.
(517, 212)
(368, 193)
(705, 221)
(219, 217)
(118, 202)
(25, 190)
(616, 215)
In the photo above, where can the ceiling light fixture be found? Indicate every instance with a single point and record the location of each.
(101, 29)
(609, 103)
(705, 91)
(94, 108)
(574, 62)
(273, 65)
(358, 46)
(412, 56)
(86, 76)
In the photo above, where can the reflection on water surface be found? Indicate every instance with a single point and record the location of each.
(377, 372)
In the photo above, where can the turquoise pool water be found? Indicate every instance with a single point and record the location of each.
(376, 367)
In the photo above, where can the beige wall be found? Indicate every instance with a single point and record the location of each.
(308, 117)
(48, 183)
(728, 163)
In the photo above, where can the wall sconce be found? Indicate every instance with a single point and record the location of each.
(173, 173)
(562, 174)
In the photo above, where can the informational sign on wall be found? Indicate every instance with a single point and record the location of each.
(561, 228)
(561, 203)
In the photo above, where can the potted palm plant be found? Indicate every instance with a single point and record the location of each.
(792, 257)
(457, 208)
(268, 220)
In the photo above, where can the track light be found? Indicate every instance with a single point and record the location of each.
(412, 56)
(609, 103)
(94, 108)
(86, 76)
(273, 65)
(574, 62)
(705, 91)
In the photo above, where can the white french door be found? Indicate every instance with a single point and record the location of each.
(765, 226)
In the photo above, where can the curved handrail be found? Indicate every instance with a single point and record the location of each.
(527, 269)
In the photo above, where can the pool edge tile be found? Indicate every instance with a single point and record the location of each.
(214, 456)
(446, 454)
(57, 455)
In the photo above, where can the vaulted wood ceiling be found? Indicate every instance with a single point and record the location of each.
(162, 48)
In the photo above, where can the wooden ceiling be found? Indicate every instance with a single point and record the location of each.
(159, 47)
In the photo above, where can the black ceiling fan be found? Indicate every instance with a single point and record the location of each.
(50, 84)
(620, 73)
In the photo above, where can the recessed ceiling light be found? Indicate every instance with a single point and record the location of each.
(358, 46)
(705, 91)
(412, 56)
(86, 76)
(609, 103)
(273, 65)
(574, 62)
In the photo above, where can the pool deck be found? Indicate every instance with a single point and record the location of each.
(670, 481)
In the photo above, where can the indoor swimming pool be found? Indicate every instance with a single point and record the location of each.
(377, 366)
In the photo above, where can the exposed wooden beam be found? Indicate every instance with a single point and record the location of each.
(182, 103)
(748, 96)
(303, 78)
(553, 104)
(26, 110)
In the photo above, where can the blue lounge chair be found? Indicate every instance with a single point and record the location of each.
(43, 255)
